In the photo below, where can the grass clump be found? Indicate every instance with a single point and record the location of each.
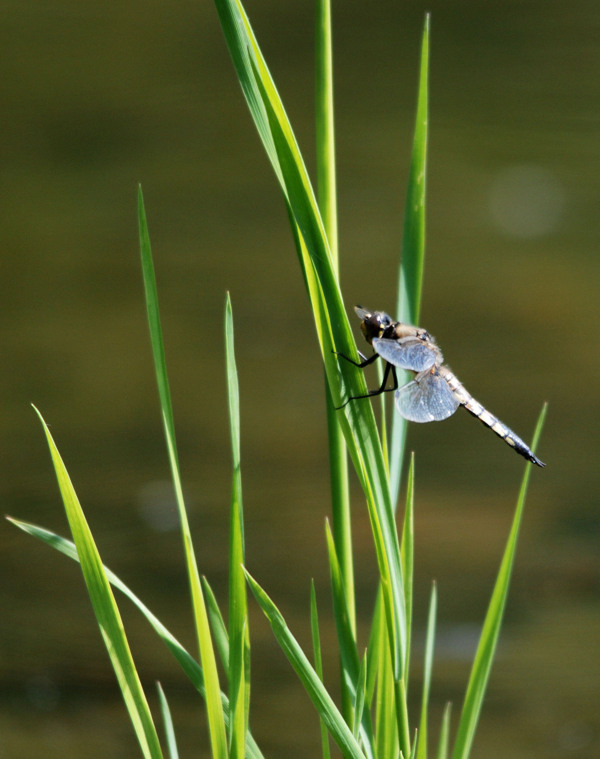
(372, 718)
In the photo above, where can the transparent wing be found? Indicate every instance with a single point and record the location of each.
(409, 353)
(426, 399)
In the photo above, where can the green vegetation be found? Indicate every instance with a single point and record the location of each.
(373, 718)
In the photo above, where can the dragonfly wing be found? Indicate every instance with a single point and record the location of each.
(409, 353)
(426, 399)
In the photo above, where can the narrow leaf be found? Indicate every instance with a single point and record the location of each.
(214, 708)
(413, 246)
(484, 657)
(316, 641)
(105, 609)
(444, 741)
(168, 720)
(239, 660)
(429, 643)
(188, 664)
(323, 702)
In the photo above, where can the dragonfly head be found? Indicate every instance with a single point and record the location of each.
(373, 322)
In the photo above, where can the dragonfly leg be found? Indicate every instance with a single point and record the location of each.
(382, 389)
(361, 365)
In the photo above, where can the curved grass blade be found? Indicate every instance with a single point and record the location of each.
(323, 702)
(105, 609)
(168, 720)
(486, 648)
(357, 420)
(188, 664)
(217, 624)
(214, 709)
(413, 247)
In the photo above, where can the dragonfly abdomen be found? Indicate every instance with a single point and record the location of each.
(474, 407)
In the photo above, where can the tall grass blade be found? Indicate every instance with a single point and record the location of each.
(105, 609)
(323, 702)
(189, 665)
(386, 726)
(213, 695)
(427, 669)
(316, 641)
(407, 553)
(444, 739)
(484, 656)
(168, 720)
(324, 119)
(327, 202)
(359, 706)
(333, 330)
(413, 247)
(239, 641)
(350, 664)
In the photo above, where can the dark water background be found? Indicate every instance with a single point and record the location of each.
(97, 98)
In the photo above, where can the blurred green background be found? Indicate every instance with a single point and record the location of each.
(97, 98)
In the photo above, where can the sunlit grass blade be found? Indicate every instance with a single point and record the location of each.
(413, 247)
(428, 666)
(189, 665)
(217, 624)
(350, 663)
(316, 642)
(207, 655)
(327, 201)
(382, 678)
(359, 706)
(407, 553)
(168, 721)
(484, 656)
(444, 739)
(323, 702)
(357, 420)
(325, 132)
(105, 609)
(239, 641)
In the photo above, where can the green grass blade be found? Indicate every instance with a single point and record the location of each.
(105, 609)
(217, 624)
(323, 702)
(168, 720)
(357, 420)
(359, 706)
(484, 656)
(413, 246)
(444, 740)
(386, 726)
(327, 201)
(407, 553)
(429, 642)
(239, 641)
(350, 663)
(316, 641)
(325, 154)
(189, 665)
(213, 694)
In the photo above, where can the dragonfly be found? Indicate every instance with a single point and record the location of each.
(435, 392)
